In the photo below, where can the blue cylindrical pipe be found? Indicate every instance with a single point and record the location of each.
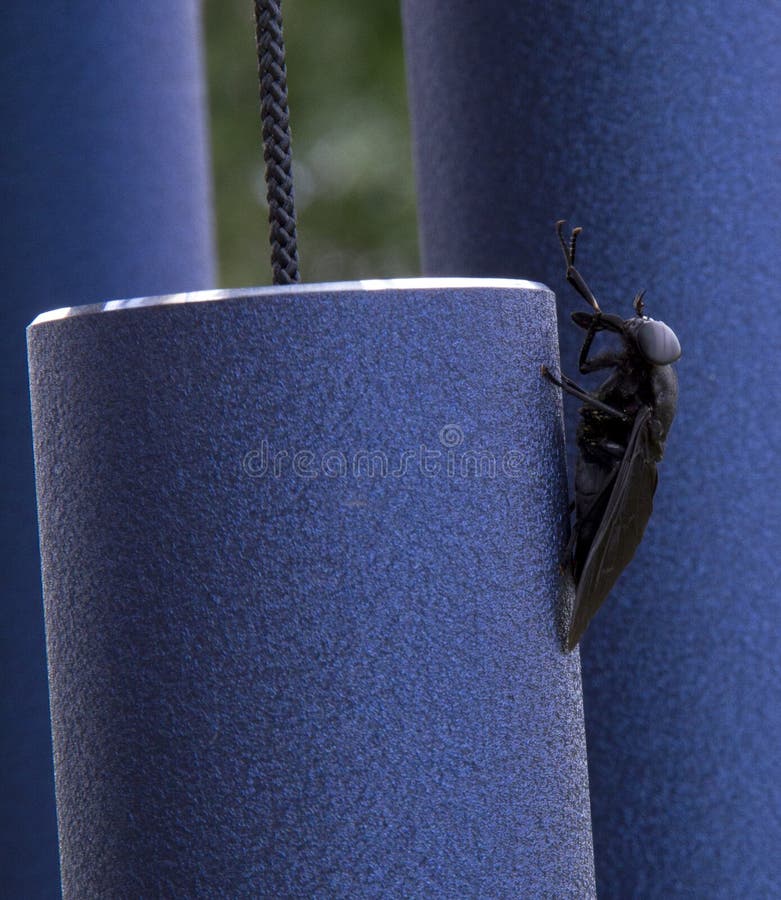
(104, 190)
(300, 552)
(655, 126)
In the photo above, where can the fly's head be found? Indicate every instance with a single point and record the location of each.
(653, 342)
(656, 342)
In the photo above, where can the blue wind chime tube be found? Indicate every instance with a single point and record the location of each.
(301, 578)
(654, 126)
(105, 193)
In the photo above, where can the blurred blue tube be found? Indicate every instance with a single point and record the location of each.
(657, 127)
(104, 190)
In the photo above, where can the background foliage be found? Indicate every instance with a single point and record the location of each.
(351, 143)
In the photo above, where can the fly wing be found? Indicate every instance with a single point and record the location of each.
(621, 529)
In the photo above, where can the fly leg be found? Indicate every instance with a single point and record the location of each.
(569, 387)
(566, 561)
(573, 276)
(606, 360)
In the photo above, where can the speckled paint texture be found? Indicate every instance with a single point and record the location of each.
(657, 127)
(310, 682)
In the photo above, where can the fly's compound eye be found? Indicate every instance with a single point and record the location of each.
(658, 343)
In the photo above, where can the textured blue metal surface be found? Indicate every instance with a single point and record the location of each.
(274, 676)
(655, 125)
(104, 192)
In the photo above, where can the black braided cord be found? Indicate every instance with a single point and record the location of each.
(275, 116)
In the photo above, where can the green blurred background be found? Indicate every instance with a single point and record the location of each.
(355, 195)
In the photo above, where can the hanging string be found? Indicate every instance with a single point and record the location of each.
(275, 116)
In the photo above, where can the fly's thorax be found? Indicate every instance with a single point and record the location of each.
(601, 438)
